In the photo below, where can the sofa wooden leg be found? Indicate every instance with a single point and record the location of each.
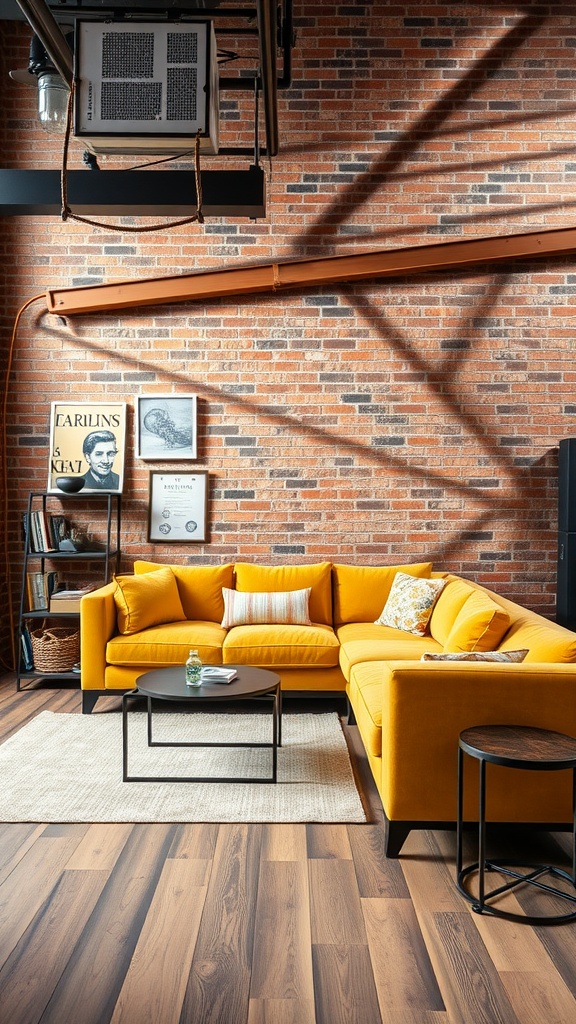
(88, 701)
(351, 717)
(398, 832)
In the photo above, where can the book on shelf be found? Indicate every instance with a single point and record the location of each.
(29, 530)
(35, 539)
(58, 529)
(39, 589)
(26, 529)
(27, 652)
(42, 531)
(69, 600)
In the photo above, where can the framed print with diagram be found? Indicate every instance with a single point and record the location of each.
(177, 508)
(88, 439)
(166, 427)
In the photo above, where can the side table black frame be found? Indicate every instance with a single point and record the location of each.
(476, 742)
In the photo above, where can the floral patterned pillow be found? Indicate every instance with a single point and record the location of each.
(410, 603)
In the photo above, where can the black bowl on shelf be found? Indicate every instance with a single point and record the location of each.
(70, 484)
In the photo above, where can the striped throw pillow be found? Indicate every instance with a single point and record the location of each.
(289, 607)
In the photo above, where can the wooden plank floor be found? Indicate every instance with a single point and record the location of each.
(259, 924)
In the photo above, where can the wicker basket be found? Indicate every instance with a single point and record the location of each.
(55, 649)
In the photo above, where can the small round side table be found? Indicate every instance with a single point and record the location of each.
(539, 750)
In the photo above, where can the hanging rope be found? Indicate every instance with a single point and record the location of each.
(67, 213)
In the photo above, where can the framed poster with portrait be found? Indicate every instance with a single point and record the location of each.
(88, 440)
(166, 427)
(177, 509)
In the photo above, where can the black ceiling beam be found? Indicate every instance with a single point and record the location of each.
(139, 9)
(134, 193)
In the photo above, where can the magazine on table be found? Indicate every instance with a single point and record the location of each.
(218, 674)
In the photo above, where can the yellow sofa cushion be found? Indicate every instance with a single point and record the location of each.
(167, 645)
(366, 642)
(242, 608)
(546, 641)
(267, 578)
(361, 591)
(199, 586)
(365, 691)
(479, 625)
(449, 604)
(147, 600)
(282, 646)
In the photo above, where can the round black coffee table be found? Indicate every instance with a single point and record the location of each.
(525, 747)
(169, 684)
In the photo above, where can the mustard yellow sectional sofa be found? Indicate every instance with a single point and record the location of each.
(333, 637)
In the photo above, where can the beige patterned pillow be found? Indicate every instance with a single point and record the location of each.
(502, 656)
(410, 603)
(286, 607)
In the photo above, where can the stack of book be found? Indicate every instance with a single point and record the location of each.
(69, 600)
(218, 674)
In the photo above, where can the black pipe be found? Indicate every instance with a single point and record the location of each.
(45, 26)
(267, 40)
(287, 42)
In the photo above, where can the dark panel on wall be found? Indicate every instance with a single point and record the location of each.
(567, 485)
(566, 580)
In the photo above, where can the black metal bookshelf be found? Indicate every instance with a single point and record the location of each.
(106, 559)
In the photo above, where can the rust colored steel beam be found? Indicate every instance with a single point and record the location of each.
(417, 259)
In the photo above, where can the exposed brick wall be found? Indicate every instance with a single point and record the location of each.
(378, 422)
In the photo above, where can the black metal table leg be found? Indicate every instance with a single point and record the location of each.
(275, 723)
(125, 698)
(273, 695)
(481, 836)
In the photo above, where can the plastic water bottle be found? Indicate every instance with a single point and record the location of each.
(193, 669)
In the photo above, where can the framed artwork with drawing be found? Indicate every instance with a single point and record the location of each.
(177, 508)
(166, 427)
(88, 440)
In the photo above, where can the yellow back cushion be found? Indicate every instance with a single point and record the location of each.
(361, 591)
(546, 641)
(148, 600)
(199, 586)
(447, 607)
(268, 578)
(479, 625)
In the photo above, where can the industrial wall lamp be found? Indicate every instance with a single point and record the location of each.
(53, 90)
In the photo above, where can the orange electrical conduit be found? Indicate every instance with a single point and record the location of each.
(4, 479)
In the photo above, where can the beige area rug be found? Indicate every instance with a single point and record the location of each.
(68, 768)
